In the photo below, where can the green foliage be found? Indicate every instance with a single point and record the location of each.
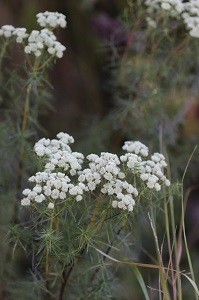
(153, 84)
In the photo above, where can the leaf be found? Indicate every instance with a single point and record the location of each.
(192, 283)
(128, 263)
(141, 282)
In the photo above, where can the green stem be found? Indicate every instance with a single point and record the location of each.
(176, 279)
(108, 250)
(169, 246)
(5, 44)
(185, 241)
(183, 205)
(47, 250)
(163, 277)
(22, 148)
(65, 276)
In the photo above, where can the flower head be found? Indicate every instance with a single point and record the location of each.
(43, 40)
(39, 42)
(64, 176)
(7, 31)
(51, 19)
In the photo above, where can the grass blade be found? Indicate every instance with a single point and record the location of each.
(141, 282)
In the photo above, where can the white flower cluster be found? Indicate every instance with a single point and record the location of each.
(47, 147)
(58, 154)
(188, 11)
(191, 17)
(64, 176)
(38, 42)
(136, 147)
(66, 161)
(132, 161)
(51, 19)
(105, 169)
(20, 34)
(151, 172)
(54, 183)
(51, 186)
(7, 31)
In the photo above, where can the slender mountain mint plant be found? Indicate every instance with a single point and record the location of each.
(71, 190)
(39, 50)
(185, 11)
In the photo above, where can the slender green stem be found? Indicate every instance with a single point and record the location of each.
(47, 249)
(108, 250)
(5, 44)
(92, 220)
(184, 203)
(65, 276)
(22, 148)
(176, 288)
(185, 242)
(169, 246)
(177, 263)
(163, 279)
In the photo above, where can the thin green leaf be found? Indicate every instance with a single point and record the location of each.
(141, 282)
(192, 283)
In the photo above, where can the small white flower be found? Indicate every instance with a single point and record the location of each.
(78, 197)
(47, 191)
(32, 195)
(148, 169)
(55, 194)
(50, 166)
(27, 49)
(130, 207)
(37, 189)
(51, 205)
(91, 185)
(51, 50)
(150, 184)
(121, 205)
(114, 204)
(144, 176)
(26, 192)
(73, 191)
(167, 182)
(166, 6)
(39, 198)
(25, 202)
(108, 176)
(157, 186)
(123, 158)
(121, 175)
(62, 195)
(65, 187)
(40, 150)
